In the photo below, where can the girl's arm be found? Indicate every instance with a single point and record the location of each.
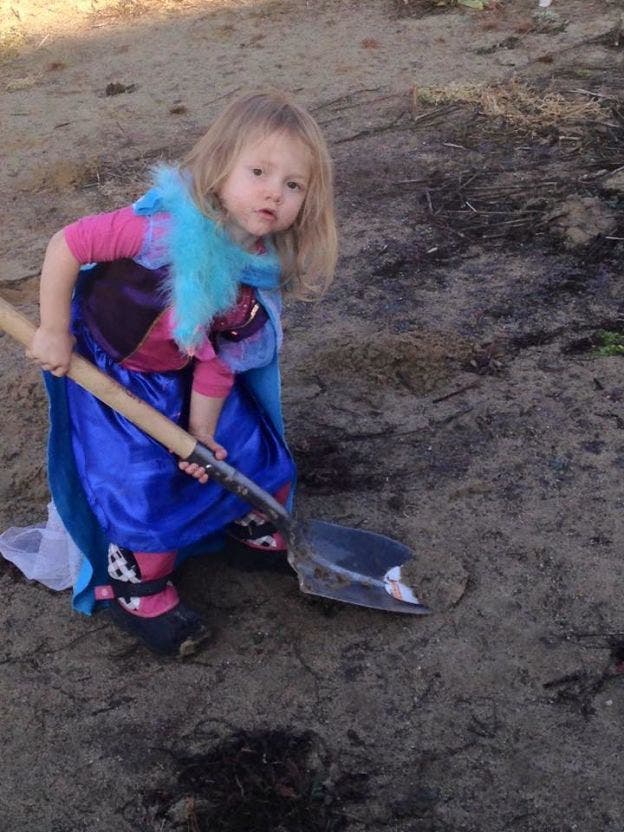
(53, 342)
(95, 238)
(203, 418)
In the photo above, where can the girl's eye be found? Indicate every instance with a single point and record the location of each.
(293, 186)
(257, 171)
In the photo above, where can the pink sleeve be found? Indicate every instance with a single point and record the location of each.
(104, 237)
(212, 377)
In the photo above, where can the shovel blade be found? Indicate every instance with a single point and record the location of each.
(349, 565)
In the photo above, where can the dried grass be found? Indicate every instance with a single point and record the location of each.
(127, 8)
(119, 10)
(11, 41)
(513, 102)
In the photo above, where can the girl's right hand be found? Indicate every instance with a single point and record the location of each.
(197, 471)
(52, 350)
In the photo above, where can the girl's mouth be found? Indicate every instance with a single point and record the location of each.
(267, 213)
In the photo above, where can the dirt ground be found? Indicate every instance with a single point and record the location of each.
(450, 391)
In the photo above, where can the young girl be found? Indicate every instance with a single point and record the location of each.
(178, 299)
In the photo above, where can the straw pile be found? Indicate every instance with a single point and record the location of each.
(514, 102)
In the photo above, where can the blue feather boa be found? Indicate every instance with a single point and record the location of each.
(206, 266)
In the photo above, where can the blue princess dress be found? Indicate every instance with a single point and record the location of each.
(110, 482)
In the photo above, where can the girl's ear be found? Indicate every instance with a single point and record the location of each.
(215, 200)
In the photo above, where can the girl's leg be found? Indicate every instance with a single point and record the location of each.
(256, 531)
(146, 604)
(144, 572)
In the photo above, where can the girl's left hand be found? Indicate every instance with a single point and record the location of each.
(194, 470)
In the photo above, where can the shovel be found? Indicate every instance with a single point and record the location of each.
(349, 565)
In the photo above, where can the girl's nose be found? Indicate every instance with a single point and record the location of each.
(274, 191)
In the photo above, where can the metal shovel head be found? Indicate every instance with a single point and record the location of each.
(350, 565)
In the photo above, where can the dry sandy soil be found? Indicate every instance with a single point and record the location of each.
(449, 392)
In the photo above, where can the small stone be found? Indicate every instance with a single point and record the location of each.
(580, 219)
(116, 88)
(178, 813)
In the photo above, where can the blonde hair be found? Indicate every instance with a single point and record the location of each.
(308, 249)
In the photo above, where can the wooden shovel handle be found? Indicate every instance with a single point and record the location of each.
(158, 426)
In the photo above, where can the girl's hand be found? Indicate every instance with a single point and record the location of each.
(194, 470)
(52, 350)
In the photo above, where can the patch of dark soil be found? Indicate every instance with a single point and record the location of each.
(581, 346)
(613, 39)
(568, 279)
(538, 338)
(550, 280)
(400, 260)
(529, 174)
(544, 209)
(578, 690)
(616, 644)
(243, 559)
(593, 341)
(396, 296)
(443, 451)
(262, 781)
(309, 452)
(11, 571)
(327, 468)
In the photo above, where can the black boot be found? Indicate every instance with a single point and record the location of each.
(178, 630)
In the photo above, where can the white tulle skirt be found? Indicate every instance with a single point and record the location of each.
(44, 553)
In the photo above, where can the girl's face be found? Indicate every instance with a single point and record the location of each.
(266, 188)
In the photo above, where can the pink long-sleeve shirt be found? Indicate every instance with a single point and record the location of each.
(123, 234)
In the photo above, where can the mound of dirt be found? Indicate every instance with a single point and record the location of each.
(420, 361)
(438, 579)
